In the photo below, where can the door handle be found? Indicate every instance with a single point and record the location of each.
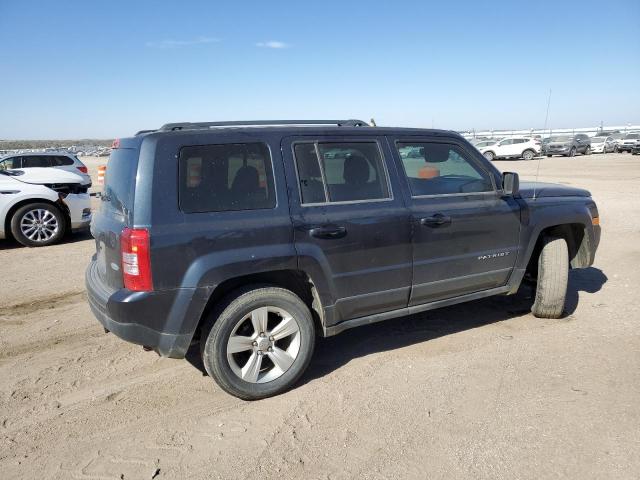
(328, 231)
(437, 220)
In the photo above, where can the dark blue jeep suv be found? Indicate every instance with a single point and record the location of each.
(252, 238)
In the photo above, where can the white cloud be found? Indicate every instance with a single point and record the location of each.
(181, 43)
(272, 44)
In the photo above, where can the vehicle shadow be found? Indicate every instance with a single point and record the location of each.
(334, 352)
(11, 244)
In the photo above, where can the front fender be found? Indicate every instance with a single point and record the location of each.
(545, 213)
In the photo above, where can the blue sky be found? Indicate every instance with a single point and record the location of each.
(77, 69)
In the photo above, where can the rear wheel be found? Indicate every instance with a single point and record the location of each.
(528, 154)
(38, 225)
(489, 156)
(548, 155)
(553, 274)
(572, 152)
(259, 342)
(616, 149)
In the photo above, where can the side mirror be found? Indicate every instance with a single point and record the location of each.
(510, 184)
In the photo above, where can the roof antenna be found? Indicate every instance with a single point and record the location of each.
(546, 120)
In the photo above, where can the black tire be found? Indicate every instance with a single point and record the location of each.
(616, 149)
(548, 155)
(489, 155)
(587, 151)
(553, 274)
(31, 208)
(528, 154)
(572, 152)
(220, 326)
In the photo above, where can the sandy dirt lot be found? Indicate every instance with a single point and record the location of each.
(481, 390)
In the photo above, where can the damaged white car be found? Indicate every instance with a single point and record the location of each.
(39, 205)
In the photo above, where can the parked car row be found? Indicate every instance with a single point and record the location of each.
(566, 145)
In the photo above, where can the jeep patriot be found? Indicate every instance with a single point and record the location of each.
(253, 238)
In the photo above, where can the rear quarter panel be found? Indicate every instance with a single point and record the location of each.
(195, 252)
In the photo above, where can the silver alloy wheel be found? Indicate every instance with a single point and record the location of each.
(263, 345)
(39, 225)
(527, 155)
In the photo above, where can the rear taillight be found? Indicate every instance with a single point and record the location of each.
(83, 169)
(136, 259)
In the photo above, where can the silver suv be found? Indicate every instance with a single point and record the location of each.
(62, 160)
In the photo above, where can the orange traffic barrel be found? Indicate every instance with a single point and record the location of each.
(101, 171)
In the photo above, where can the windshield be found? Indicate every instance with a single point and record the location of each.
(560, 139)
(632, 136)
(598, 139)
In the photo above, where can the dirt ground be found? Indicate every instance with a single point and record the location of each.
(481, 390)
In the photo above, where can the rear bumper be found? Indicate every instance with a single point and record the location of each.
(133, 315)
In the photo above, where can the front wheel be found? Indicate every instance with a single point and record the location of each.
(528, 154)
(553, 275)
(489, 156)
(616, 149)
(38, 225)
(259, 342)
(572, 152)
(587, 151)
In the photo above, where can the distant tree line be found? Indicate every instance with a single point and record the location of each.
(36, 144)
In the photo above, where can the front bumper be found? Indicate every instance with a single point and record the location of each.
(121, 311)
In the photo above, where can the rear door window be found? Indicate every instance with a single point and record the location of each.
(218, 178)
(341, 172)
(31, 161)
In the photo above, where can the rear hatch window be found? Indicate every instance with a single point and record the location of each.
(120, 180)
(115, 214)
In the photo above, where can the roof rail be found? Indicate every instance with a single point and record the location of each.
(250, 123)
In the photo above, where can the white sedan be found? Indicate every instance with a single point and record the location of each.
(515, 147)
(39, 205)
(603, 145)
